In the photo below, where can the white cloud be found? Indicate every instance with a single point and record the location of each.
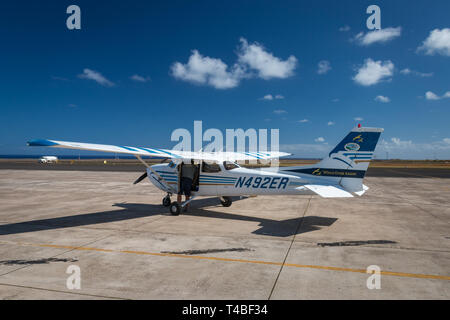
(279, 111)
(323, 67)
(335, 100)
(423, 74)
(265, 63)
(344, 29)
(429, 95)
(303, 121)
(331, 123)
(358, 119)
(401, 143)
(319, 139)
(251, 57)
(271, 97)
(373, 72)
(408, 149)
(408, 71)
(138, 78)
(206, 70)
(438, 42)
(96, 76)
(382, 99)
(383, 35)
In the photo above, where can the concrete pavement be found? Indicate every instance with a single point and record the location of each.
(279, 247)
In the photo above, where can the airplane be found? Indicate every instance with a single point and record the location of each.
(339, 175)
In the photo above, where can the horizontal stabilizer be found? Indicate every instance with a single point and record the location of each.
(360, 193)
(329, 191)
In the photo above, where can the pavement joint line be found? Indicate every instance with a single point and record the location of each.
(56, 255)
(411, 203)
(428, 212)
(304, 266)
(290, 246)
(62, 291)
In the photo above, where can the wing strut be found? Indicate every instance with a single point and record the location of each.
(140, 159)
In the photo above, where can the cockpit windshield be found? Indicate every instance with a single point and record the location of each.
(230, 165)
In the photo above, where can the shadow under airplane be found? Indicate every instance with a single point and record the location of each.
(268, 227)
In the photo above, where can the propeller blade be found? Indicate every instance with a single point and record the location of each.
(141, 178)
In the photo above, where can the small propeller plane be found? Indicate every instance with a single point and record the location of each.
(338, 175)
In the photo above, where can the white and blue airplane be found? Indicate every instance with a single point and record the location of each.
(338, 175)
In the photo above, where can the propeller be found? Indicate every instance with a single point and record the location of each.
(141, 178)
(145, 174)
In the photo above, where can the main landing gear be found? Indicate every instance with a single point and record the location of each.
(175, 207)
(225, 201)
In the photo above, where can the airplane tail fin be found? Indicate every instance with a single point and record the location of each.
(350, 159)
(346, 165)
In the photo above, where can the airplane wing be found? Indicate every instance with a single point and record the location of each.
(163, 153)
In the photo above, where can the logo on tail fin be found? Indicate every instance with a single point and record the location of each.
(351, 146)
(358, 139)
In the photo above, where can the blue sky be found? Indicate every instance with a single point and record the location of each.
(78, 85)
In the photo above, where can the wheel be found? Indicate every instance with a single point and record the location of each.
(225, 201)
(175, 208)
(166, 201)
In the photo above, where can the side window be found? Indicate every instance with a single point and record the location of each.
(230, 165)
(210, 167)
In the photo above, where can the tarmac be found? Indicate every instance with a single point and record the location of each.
(127, 246)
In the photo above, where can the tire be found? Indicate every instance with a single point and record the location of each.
(166, 201)
(226, 202)
(174, 209)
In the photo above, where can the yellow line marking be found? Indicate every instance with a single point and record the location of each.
(304, 266)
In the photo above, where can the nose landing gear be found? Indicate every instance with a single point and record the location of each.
(166, 201)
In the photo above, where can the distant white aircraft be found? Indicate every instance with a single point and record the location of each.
(48, 159)
(338, 175)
